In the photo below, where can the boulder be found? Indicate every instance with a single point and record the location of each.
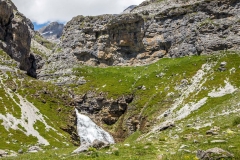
(20, 151)
(166, 126)
(218, 141)
(2, 153)
(82, 148)
(222, 66)
(213, 154)
(213, 131)
(34, 149)
(99, 144)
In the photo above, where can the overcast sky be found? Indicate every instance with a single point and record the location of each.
(43, 11)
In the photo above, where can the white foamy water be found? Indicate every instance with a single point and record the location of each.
(88, 131)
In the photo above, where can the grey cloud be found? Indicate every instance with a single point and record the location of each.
(42, 11)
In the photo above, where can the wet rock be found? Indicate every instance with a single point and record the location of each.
(99, 144)
(108, 111)
(213, 154)
(82, 148)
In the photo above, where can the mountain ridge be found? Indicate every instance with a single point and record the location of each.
(52, 31)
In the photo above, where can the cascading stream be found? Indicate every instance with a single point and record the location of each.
(88, 131)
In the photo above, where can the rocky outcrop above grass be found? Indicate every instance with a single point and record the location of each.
(153, 30)
(15, 38)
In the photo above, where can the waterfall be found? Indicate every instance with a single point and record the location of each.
(88, 131)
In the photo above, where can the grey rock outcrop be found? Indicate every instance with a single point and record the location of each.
(15, 38)
(108, 111)
(99, 144)
(214, 154)
(2, 153)
(95, 144)
(104, 39)
(82, 148)
(153, 30)
(34, 149)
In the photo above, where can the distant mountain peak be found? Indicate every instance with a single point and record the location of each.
(128, 9)
(53, 31)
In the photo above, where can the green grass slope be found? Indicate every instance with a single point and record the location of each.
(196, 94)
(22, 97)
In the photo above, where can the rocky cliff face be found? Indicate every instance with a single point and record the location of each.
(106, 39)
(52, 32)
(15, 38)
(102, 110)
(154, 30)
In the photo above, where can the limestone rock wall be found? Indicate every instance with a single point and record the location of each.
(106, 39)
(154, 30)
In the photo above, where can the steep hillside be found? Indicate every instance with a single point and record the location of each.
(179, 106)
(32, 112)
